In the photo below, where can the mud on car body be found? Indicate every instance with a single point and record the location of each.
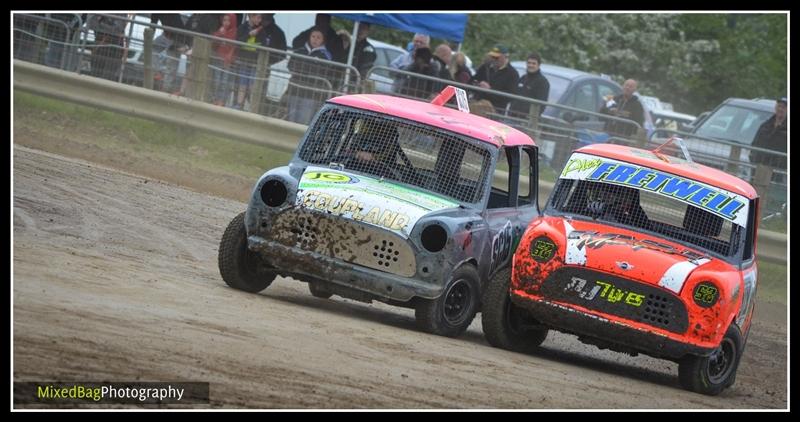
(639, 253)
(393, 200)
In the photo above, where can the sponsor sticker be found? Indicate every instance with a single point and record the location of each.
(726, 204)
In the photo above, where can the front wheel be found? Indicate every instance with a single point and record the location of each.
(451, 313)
(240, 267)
(716, 372)
(505, 325)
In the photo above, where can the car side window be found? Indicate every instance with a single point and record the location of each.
(505, 178)
(584, 98)
(527, 174)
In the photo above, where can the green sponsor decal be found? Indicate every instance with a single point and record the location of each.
(542, 249)
(705, 295)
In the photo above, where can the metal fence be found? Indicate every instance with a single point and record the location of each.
(292, 86)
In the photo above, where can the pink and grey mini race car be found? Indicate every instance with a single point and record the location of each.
(409, 203)
(636, 252)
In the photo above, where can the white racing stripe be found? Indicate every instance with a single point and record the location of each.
(676, 275)
(575, 255)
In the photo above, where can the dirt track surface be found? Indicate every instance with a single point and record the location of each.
(115, 278)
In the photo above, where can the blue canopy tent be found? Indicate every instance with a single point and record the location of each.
(449, 26)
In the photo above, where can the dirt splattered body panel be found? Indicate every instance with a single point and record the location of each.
(394, 230)
(661, 277)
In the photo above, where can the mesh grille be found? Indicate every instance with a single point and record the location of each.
(398, 150)
(644, 210)
(344, 239)
(618, 296)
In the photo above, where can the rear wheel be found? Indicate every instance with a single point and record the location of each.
(716, 372)
(451, 313)
(318, 290)
(240, 267)
(506, 325)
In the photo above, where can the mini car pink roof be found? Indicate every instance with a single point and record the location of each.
(675, 166)
(456, 121)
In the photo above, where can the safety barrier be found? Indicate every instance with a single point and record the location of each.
(234, 124)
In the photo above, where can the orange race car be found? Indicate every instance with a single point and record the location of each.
(639, 253)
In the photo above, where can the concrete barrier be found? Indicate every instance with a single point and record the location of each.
(248, 127)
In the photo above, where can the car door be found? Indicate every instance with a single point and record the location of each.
(503, 208)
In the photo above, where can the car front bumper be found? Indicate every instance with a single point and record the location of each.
(569, 319)
(306, 264)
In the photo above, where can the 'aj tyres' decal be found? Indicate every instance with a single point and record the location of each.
(607, 291)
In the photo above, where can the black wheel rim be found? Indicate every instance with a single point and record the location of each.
(720, 363)
(457, 302)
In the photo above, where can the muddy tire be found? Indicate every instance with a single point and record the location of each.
(241, 268)
(318, 290)
(505, 325)
(711, 374)
(451, 313)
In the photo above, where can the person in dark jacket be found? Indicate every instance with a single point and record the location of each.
(274, 37)
(532, 85)
(497, 75)
(364, 55)
(307, 87)
(250, 32)
(772, 135)
(333, 43)
(626, 106)
(423, 64)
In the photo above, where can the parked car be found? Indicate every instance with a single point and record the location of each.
(578, 89)
(638, 253)
(652, 103)
(734, 120)
(574, 88)
(390, 199)
(665, 119)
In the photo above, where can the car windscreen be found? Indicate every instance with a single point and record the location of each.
(652, 201)
(399, 150)
(733, 123)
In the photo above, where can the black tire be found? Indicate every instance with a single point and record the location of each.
(318, 290)
(505, 325)
(240, 267)
(712, 374)
(451, 313)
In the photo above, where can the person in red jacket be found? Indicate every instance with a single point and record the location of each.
(223, 58)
